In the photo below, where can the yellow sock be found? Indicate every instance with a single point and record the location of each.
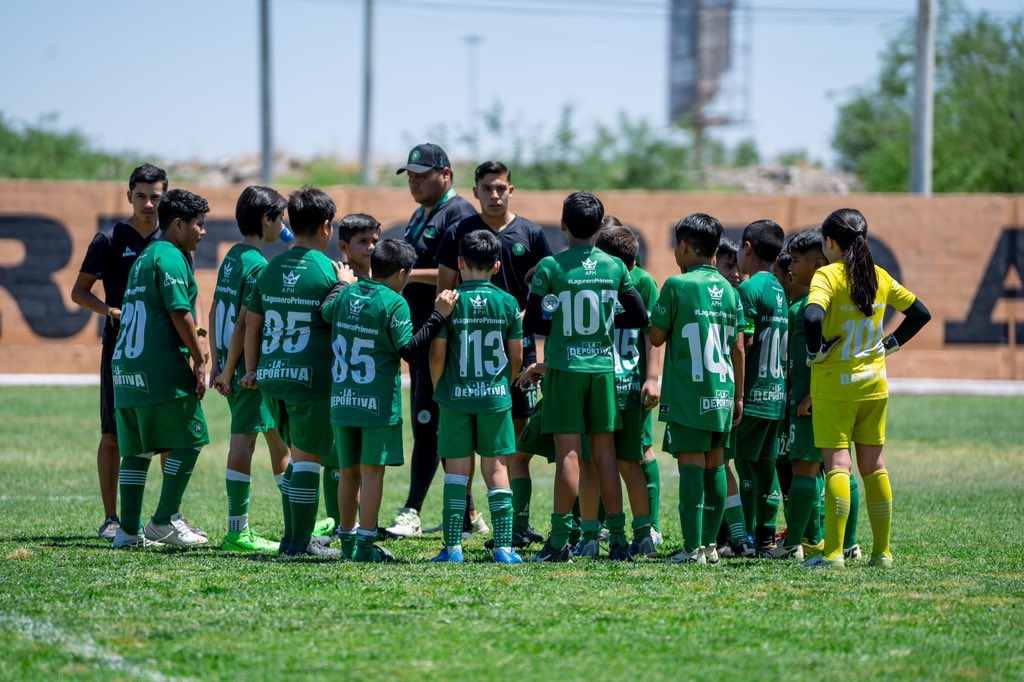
(837, 511)
(879, 496)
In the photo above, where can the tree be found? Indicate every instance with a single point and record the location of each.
(979, 109)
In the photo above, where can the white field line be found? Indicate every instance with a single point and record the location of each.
(81, 647)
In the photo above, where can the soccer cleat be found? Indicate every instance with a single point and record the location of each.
(725, 551)
(656, 537)
(175, 533)
(247, 541)
(683, 557)
(196, 530)
(587, 549)
(819, 561)
(444, 556)
(619, 553)
(480, 526)
(123, 540)
(323, 540)
(406, 525)
(854, 553)
(575, 533)
(883, 560)
(314, 549)
(530, 535)
(604, 535)
(549, 554)
(507, 556)
(794, 552)
(810, 548)
(324, 528)
(744, 548)
(434, 530)
(711, 555)
(644, 548)
(109, 528)
(379, 555)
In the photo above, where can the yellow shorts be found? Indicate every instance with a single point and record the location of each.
(838, 424)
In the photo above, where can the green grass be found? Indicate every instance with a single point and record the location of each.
(71, 607)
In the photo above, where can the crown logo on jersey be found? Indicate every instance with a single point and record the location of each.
(170, 281)
(228, 267)
(479, 303)
(290, 278)
(355, 306)
(779, 299)
(590, 266)
(716, 292)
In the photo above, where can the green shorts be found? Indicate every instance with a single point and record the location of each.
(635, 435)
(489, 435)
(306, 424)
(757, 438)
(373, 445)
(784, 433)
(249, 412)
(679, 438)
(801, 440)
(579, 403)
(175, 425)
(532, 440)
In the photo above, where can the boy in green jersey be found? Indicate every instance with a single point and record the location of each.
(572, 301)
(472, 362)
(358, 235)
(259, 214)
(698, 315)
(288, 357)
(766, 324)
(156, 391)
(371, 333)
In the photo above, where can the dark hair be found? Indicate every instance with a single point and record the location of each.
(582, 213)
(149, 174)
(619, 241)
(727, 247)
(255, 202)
(492, 168)
(180, 203)
(805, 241)
(390, 256)
(610, 221)
(355, 223)
(308, 208)
(701, 232)
(480, 249)
(765, 237)
(849, 229)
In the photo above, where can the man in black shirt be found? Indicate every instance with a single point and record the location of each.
(431, 186)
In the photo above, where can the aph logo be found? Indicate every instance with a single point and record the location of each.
(779, 299)
(170, 281)
(290, 279)
(590, 266)
(226, 270)
(479, 303)
(716, 292)
(355, 306)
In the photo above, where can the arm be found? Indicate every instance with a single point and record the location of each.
(533, 318)
(657, 336)
(446, 278)
(438, 352)
(81, 293)
(211, 338)
(423, 276)
(185, 325)
(204, 342)
(634, 314)
(514, 350)
(817, 348)
(738, 360)
(443, 306)
(222, 382)
(916, 317)
(650, 392)
(253, 339)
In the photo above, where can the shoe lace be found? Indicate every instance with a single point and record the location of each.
(181, 525)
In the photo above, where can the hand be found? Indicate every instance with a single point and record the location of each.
(204, 345)
(804, 408)
(445, 301)
(650, 394)
(737, 412)
(249, 380)
(823, 353)
(531, 375)
(344, 272)
(115, 313)
(199, 371)
(222, 382)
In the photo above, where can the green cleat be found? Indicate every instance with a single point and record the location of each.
(247, 541)
(324, 527)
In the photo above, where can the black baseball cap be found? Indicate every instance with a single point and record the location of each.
(424, 158)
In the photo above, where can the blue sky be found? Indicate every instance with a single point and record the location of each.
(179, 79)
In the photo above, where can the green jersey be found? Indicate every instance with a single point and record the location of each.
(295, 355)
(150, 363)
(766, 314)
(369, 325)
(238, 273)
(799, 372)
(477, 375)
(701, 314)
(631, 347)
(582, 286)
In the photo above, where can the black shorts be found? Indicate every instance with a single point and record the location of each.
(524, 401)
(108, 421)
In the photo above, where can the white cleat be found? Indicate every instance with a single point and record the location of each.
(406, 525)
(176, 533)
(123, 540)
(684, 557)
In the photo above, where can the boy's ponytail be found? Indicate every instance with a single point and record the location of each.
(849, 229)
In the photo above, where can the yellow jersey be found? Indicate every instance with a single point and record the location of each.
(855, 369)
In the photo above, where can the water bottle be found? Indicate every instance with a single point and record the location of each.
(286, 234)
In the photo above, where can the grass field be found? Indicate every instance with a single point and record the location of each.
(953, 608)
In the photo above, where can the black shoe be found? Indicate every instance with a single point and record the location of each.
(380, 555)
(619, 553)
(285, 545)
(531, 535)
(549, 554)
(521, 539)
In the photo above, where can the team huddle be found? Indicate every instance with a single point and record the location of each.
(769, 353)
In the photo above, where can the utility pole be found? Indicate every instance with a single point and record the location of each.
(266, 130)
(367, 171)
(924, 100)
(472, 42)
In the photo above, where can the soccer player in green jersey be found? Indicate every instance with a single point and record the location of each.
(358, 235)
(371, 333)
(472, 362)
(259, 214)
(156, 390)
(288, 357)
(572, 301)
(766, 324)
(697, 316)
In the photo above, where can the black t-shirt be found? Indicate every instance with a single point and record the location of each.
(523, 245)
(110, 257)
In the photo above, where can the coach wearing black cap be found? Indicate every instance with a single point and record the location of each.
(430, 183)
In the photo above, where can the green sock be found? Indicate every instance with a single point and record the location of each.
(366, 538)
(561, 524)
(454, 509)
(348, 543)
(522, 491)
(284, 485)
(816, 524)
(641, 528)
(691, 499)
(132, 481)
(773, 500)
(499, 501)
(591, 529)
(766, 487)
(576, 527)
(734, 518)
(653, 475)
(332, 479)
(617, 525)
(177, 472)
(803, 498)
(238, 487)
(714, 504)
(748, 494)
(303, 490)
(850, 538)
